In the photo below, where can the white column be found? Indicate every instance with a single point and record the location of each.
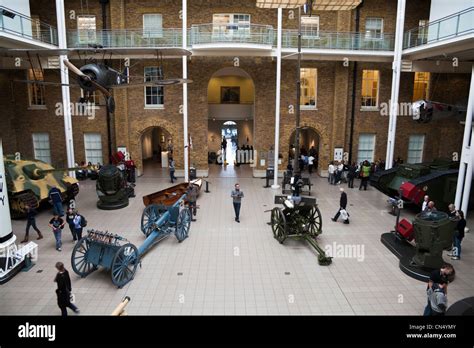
(66, 97)
(277, 101)
(463, 188)
(185, 93)
(396, 66)
(5, 219)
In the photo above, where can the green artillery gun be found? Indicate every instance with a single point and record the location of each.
(29, 182)
(300, 218)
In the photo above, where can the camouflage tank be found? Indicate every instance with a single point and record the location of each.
(437, 179)
(29, 182)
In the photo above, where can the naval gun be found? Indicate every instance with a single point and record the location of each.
(29, 182)
(113, 189)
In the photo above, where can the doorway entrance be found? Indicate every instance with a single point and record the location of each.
(231, 99)
(156, 148)
(310, 145)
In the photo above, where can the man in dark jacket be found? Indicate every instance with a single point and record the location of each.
(191, 196)
(31, 222)
(446, 272)
(342, 206)
(71, 214)
(351, 175)
(64, 290)
(56, 200)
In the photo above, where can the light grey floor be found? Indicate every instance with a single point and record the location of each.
(230, 268)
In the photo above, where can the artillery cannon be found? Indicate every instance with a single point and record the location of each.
(300, 218)
(29, 182)
(112, 188)
(116, 254)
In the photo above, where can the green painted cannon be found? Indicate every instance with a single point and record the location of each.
(300, 218)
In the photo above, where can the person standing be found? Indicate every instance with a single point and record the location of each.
(64, 289)
(57, 224)
(452, 212)
(237, 200)
(426, 199)
(172, 170)
(342, 206)
(446, 271)
(351, 175)
(192, 197)
(71, 214)
(310, 164)
(79, 223)
(57, 201)
(365, 173)
(430, 207)
(331, 170)
(458, 236)
(31, 222)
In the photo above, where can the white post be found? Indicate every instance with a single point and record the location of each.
(396, 66)
(5, 219)
(277, 101)
(65, 89)
(466, 161)
(185, 93)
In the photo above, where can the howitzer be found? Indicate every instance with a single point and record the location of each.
(300, 218)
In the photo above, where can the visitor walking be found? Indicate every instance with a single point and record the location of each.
(56, 200)
(79, 223)
(446, 271)
(438, 297)
(31, 222)
(458, 236)
(70, 215)
(57, 224)
(64, 290)
(191, 196)
(342, 208)
(237, 196)
(310, 164)
(331, 170)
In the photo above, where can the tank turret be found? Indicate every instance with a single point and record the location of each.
(29, 182)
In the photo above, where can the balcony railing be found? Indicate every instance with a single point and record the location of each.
(339, 40)
(455, 25)
(20, 25)
(126, 38)
(232, 33)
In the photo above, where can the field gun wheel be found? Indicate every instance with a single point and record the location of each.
(314, 221)
(79, 262)
(278, 222)
(150, 215)
(124, 264)
(183, 224)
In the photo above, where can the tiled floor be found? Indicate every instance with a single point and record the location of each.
(231, 268)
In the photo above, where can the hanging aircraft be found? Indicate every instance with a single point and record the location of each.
(98, 75)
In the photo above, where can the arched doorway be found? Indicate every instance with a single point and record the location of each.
(231, 105)
(310, 144)
(156, 146)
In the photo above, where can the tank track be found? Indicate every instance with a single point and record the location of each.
(19, 201)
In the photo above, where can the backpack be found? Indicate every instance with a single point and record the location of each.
(83, 221)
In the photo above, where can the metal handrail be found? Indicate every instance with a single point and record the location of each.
(18, 24)
(232, 33)
(454, 25)
(126, 38)
(338, 40)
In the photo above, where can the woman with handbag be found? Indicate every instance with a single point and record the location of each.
(64, 290)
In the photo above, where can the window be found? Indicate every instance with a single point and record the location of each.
(309, 81)
(41, 147)
(310, 27)
(154, 96)
(415, 148)
(36, 91)
(421, 86)
(366, 147)
(370, 89)
(86, 29)
(373, 28)
(231, 25)
(152, 25)
(93, 147)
